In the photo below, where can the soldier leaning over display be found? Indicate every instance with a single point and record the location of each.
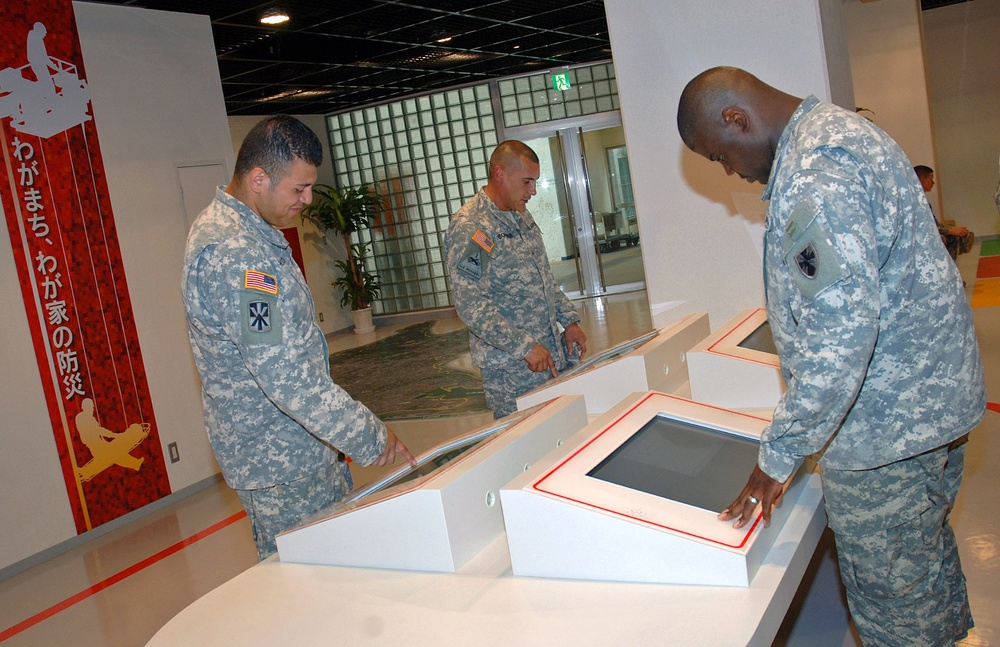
(279, 426)
(876, 341)
(503, 287)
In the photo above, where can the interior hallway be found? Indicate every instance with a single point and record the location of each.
(120, 588)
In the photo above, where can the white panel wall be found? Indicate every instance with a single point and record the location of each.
(963, 69)
(707, 227)
(887, 61)
(157, 101)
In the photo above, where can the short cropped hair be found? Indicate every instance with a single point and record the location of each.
(923, 171)
(509, 150)
(274, 143)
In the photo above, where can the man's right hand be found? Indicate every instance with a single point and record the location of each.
(394, 447)
(540, 360)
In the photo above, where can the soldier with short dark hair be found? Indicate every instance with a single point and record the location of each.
(279, 426)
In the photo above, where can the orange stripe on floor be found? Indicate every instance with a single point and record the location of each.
(993, 406)
(985, 293)
(989, 267)
(117, 577)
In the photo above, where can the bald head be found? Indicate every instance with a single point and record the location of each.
(707, 95)
(730, 116)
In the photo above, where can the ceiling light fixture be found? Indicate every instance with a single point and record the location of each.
(443, 39)
(274, 17)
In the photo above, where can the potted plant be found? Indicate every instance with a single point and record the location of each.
(345, 212)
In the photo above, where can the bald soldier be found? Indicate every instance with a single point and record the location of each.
(876, 341)
(522, 328)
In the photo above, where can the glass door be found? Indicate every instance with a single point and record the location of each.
(584, 207)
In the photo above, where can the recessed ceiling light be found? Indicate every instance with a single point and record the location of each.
(274, 17)
(443, 39)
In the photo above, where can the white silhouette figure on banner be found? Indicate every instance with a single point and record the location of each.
(55, 101)
(107, 447)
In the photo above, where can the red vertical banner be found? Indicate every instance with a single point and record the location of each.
(62, 231)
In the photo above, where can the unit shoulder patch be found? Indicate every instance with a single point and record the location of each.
(810, 254)
(260, 318)
(473, 262)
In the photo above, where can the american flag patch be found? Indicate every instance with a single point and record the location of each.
(482, 240)
(260, 281)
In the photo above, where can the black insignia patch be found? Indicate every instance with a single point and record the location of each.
(807, 261)
(259, 315)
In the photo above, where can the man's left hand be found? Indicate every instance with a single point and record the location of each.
(575, 339)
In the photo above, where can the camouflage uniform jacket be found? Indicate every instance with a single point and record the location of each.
(272, 411)
(503, 287)
(872, 325)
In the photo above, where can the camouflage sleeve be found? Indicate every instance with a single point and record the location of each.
(473, 295)
(831, 271)
(290, 368)
(566, 314)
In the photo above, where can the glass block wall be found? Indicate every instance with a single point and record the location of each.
(426, 156)
(532, 99)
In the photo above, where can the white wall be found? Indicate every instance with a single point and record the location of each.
(701, 230)
(157, 101)
(963, 70)
(887, 62)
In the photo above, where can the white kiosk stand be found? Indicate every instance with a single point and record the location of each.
(635, 497)
(653, 362)
(737, 366)
(436, 516)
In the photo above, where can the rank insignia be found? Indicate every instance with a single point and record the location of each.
(259, 316)
(255, 280)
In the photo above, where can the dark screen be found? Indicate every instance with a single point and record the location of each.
(760, 340)
(682, 462)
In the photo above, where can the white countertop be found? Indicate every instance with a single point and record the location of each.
(484, 604)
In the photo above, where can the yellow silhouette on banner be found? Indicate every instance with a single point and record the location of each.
(107, 447)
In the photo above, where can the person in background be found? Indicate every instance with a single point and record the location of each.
(957, 240)
(278, 425)
(522, 329)
(877, 347)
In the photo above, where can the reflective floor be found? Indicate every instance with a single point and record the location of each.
(119, 589)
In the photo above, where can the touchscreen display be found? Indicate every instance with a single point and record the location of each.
(682, 462)
(760, 340)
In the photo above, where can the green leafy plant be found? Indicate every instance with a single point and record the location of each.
(360, 287)
(345, 212)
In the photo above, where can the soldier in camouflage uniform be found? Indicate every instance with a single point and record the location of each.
(503, 287)
(278, 425)
(876, 341)
(956, 238)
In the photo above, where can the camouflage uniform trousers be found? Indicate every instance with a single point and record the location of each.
(503, 386)
(898, 556)
(958, 244)
(279, 507)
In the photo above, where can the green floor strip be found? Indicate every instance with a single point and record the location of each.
(990, 247)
